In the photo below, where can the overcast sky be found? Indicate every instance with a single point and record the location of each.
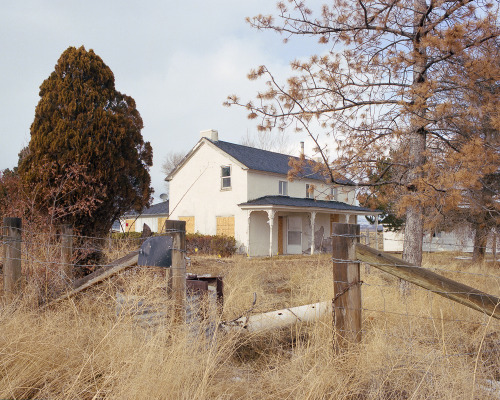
(178, 59)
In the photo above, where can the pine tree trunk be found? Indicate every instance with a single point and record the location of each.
(414, 225)
(413, 239)
(417, 140)
(480, 240)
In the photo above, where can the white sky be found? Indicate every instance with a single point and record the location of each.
(178, 59)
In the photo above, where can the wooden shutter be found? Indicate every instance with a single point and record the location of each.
(189, 223)
(225, 226)
(130, 225)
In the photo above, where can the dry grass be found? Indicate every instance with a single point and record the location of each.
(421, 347)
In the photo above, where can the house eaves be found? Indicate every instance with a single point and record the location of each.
(197, 146)
(296, 204)
(152, 211)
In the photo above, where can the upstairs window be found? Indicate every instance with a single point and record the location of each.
(308, 191)
(225, 177)
(334, 194)
(283, 188)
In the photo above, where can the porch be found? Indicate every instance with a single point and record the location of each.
(286, 225)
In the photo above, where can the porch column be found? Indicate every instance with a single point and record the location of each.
(376, 231)
(313, 219)
(270, 221)
(248, 232)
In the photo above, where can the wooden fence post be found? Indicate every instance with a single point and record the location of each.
(177, 229)
(347, 289)
(67, 251)
(12, 257)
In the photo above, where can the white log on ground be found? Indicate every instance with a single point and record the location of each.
(279, 318)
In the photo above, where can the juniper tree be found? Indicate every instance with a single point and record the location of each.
(378, 86)
(86, 146)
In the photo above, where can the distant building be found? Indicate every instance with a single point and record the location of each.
(154, 216)
(459, 240)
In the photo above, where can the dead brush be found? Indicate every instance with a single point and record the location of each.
(419, 347)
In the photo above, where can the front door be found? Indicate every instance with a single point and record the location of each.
(294, 235)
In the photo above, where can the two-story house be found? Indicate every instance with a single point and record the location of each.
(241, 191)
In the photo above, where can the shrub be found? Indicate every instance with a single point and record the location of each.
(223, 246)
(126, 235)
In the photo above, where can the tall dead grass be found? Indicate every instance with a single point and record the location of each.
(421, 347)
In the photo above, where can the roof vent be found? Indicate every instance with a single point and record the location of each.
(211, 134)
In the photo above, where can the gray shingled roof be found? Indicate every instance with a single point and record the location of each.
(263, 160)
(302, 202)
(155, 209)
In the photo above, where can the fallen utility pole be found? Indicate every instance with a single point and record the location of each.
(427, 279)
(279, 318)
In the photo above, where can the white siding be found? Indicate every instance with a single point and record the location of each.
(262, 184)
(442, 241)
(195, 190)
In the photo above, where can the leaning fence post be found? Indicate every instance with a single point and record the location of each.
(12, 257)
(177, 229)
(347, 285)
(67, 250)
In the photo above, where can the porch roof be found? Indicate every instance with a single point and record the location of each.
(298, 203)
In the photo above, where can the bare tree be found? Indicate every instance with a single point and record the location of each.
(379, 86)
(170, 162)
(272, 141)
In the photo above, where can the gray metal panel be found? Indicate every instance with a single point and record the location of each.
(156, 252)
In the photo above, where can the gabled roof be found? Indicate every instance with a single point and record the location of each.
(255, 159)
(156, 209)
(287, 201)
(263, 160)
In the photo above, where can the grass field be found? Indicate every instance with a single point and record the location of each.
(420, 347)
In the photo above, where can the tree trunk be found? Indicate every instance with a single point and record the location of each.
(417, 140)
(413, 239)
(480, 239)
(412, 246)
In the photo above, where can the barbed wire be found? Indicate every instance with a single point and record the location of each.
(435, 242)
(165, 232)
(342, 261)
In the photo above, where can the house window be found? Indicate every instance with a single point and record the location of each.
(130, 225)
(189, 223)
(308, 191)
(225, 226)
(225, 177)
(283, 188)
(334, 194)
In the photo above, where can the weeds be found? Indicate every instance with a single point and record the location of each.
(420, 347)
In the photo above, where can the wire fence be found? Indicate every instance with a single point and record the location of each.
(420, 319)
(381, 296)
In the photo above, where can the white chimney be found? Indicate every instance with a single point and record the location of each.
(211, 134)
(301, 148)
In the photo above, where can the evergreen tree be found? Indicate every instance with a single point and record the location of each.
(86, 146)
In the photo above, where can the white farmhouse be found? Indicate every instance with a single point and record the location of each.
(230, 189)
